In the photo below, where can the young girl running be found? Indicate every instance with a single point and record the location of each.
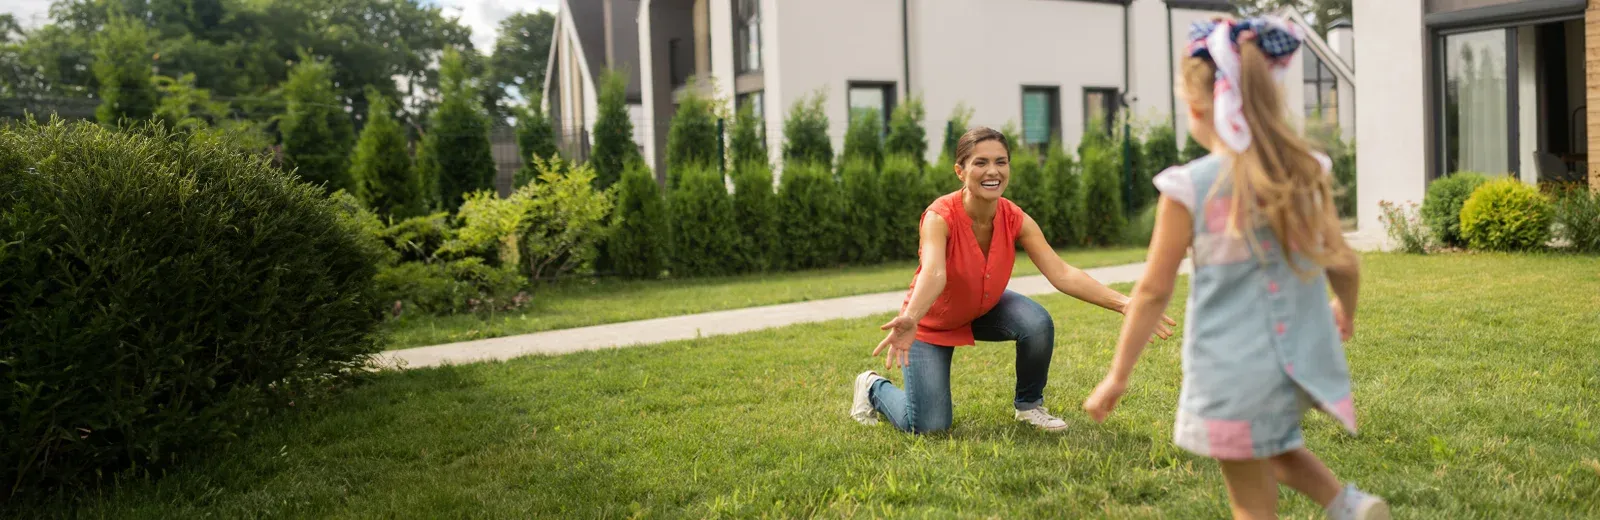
(1262, 343)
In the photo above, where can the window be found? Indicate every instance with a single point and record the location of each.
(680, 65)
(746, 36)
(1041, 115)
(865, 96)
(1100, 109)
(1478, 113)
(1321, 90)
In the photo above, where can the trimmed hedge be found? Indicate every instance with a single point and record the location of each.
(639, 243)
(225, 286)
(904, 199)
(755, 208)
(1441, 207)
(1506, 215)
(863, 139)
(747, 138)
(1102, 194)
(812, 216)
(864, 215)
(704, 235)
(613, 131)
(906, 135)
(692, 139)
(458, 286)
(805, 132)
(380, 168)
(1066, 188)
(1030, 187)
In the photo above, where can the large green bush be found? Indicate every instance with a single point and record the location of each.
(755, 208)
(1344, 182)
(805, 133)
(812, 208)
(904, 199)
(865, 211)
(704, 233)
(1102, 194)
(639, 244)
(747, 138)
(692, 140)
(317, 133)
(1139, 192)
(1030, 187)
(1066, 191)
(862, 141)
(1577, 214)
(906, 135)
(1506, 215)
(1441, 207)
(222, 286)
(122, 66)
(613, 131)
(381, 168)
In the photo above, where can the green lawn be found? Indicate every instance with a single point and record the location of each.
(1477, 380)
(582, 304)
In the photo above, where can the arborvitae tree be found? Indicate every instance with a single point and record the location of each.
(317, 132)
(381, 168)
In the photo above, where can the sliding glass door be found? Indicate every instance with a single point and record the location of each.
(1479, 113)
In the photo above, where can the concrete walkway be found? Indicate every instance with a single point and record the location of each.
(691, 326)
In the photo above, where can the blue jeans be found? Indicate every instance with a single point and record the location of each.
(924, 406)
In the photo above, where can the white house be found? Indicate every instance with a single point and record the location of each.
(1493, 86)
(1053, 67)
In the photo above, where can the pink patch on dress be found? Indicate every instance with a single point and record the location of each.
(1272, 287)
(1288, 368)
(1230, 439)
(1281, 328)
(1345, 411)
(1218, 210)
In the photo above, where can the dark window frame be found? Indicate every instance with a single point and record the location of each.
(1440, 147)
(889, 101)
(1112, 104)
(1053, 93)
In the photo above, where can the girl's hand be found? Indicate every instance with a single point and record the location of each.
(902, 330)
(1104, 398)
(1347, 325)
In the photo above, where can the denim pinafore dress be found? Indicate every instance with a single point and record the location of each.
(1260, 345)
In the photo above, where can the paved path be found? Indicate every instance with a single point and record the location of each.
(660, 330)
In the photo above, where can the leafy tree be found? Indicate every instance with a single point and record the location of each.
(862, 141)
(122, 66)
(613, 131)
(806, 132)
(906, 134)
(536, 137)
(692, 139)
(459, 139)
(381, 167)
(746, 140)
(316, 129)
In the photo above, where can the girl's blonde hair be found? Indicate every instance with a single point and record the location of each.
(1276, 179)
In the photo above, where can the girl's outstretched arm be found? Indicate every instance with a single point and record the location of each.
(1173, 234)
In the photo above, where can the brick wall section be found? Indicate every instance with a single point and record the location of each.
(1591, 45)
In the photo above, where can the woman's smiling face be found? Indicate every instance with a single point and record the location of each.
(988, 171)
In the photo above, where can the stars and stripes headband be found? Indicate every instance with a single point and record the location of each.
(1218, 40)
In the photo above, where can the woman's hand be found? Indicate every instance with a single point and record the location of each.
(1104, 398)
(902, 331)
(1163, 329)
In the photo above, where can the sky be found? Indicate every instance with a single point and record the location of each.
(483, 16)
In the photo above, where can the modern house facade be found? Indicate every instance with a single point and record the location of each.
(1054, 68)
(1499, 87)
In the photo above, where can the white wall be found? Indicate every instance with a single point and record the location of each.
(971, 52)
(1391, 162)
(825, 44)
(1343, 42)
(1152, 74)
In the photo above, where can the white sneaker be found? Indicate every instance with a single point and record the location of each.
(1041, 419)
(1354, 504)
(861, 409)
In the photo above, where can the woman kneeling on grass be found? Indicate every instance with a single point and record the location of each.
(968, 246)
(1262, 342)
